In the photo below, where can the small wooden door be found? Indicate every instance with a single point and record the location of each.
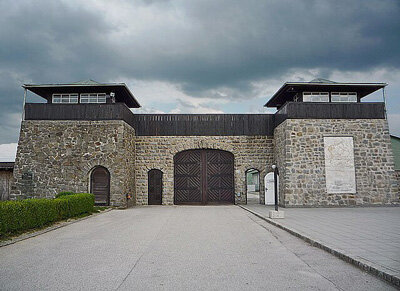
(155, 187)
(100, 186)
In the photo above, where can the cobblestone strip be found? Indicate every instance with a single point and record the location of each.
(47, 229)
(363, 266)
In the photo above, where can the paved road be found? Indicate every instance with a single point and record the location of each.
(175, 248)
(370, 235)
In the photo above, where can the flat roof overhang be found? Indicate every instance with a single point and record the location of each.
(122, 92)
(289, 90)
(6, 166)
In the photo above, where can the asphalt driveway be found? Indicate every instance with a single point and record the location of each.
(175, 248)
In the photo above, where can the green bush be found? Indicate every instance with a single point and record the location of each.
(77, 204)
(26, 214)
(64, 193)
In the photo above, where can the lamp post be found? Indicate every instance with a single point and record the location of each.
(276, 173)
(276, 213)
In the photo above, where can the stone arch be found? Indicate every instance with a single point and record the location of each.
(202, 144)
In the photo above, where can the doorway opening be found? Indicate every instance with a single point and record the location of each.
(155, 187)
(100, 185)
(204, 176)
(253, 186)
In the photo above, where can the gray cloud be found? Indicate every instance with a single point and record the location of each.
(199, 45)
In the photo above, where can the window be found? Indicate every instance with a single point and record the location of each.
(93, 98)
(344, 97)
(65, 98)
(315, 97)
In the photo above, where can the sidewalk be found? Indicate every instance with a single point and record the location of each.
(366, 237)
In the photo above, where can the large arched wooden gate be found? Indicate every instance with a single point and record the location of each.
(204, 177)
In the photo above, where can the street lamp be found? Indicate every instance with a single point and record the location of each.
(276, 173)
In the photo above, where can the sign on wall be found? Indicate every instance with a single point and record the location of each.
(339, 164)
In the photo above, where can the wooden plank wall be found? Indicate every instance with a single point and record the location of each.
(6, 178)
(310, 110)
(43, 111)
(203, 124)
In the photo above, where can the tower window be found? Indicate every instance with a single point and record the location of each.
(344, 97)
(315, 97)
(93, 98)
(65, 98)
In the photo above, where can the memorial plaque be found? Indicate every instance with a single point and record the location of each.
(27, 176)
(339, 164)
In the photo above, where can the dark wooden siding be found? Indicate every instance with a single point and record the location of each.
(6, 181)
(203, 124)
(310, 110)
(43, 111)
(157, 124)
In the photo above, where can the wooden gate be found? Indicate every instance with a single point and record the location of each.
(204, 177)
(155, 187)
(100, 185)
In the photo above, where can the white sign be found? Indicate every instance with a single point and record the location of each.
(339, 164)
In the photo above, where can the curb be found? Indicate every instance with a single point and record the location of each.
(47, 229)
(361, 265)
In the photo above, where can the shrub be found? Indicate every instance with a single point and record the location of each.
(78, 203)
(32, 213)
(64, 193)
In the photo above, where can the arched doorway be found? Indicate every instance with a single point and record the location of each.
(100, 185)
(155, 187)
(253, 186)
(204, 177)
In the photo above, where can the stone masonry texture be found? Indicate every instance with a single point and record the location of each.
(157, 152)
(54, 156)
(299, 153)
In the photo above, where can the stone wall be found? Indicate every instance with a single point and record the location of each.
(6, 180)
(299, 152)
(158, 152)
(54, 156)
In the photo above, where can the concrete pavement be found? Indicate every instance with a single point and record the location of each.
(370, 235)
(175, 248)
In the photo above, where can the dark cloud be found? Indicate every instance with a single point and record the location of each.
(199, 45)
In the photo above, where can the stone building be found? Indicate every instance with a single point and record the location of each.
(331, 149)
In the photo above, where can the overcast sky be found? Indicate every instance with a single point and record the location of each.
(196, 56)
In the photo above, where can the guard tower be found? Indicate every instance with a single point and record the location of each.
(331, 148)
(80, 140)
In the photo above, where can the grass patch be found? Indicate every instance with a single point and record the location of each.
(98, 209)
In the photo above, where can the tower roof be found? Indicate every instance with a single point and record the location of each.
(122, 92)
(290, 89)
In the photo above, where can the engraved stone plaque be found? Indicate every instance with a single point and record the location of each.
(339, 164)
(27, 176)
